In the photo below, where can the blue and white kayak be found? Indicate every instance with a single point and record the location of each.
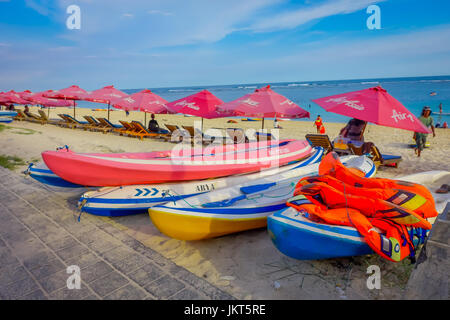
(127, 200)
(6, 119)
(238, 208)
(298, 237)
(7, 113)
(43, 174)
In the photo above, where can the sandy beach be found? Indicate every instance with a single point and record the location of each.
(246, 265)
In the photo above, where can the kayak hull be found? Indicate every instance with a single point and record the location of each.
(236, 208)
(300, 238)
(127, 169)
(127, 200)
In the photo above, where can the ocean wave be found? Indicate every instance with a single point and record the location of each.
(370, 82)
(298, 85)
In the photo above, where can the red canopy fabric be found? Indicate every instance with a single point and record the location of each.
(263, 103)
(201, 104)
(71, 93)
(40, 98)
(107, 94)
(13, 97)
(145, 101)
(373, 105)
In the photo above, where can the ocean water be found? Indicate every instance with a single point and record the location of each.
(413, 93)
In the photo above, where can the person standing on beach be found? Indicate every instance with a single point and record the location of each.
(421, 138)
(318, 123)
(440, 116)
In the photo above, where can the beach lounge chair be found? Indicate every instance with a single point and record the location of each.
(126, 128)
(176, 134)
(45, 119)
(74, 123)
(264, 136)
(140, 131)
(67, 122)
(198, 136)
(377, 157)
(237, 135)
(384, 159)
(93, 123)
(320, 140)
(21, 116)
(106, 125)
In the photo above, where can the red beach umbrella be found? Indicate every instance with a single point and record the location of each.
(107, 94)
(71, 93)
(373, 105)
(14, 97)
(145, 101)
(264, 103)
(40, 98)
(201, 104)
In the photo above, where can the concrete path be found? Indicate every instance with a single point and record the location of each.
(430, 277)
(40, 238)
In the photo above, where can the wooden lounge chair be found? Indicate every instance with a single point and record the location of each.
(237, 135)
(176, 134)
(320, 140)
(141, 131)
(384, 159)
(105, 125)
(45, 118)
(264, 136)
(67, 122)
(378, 158)
(74, 123)
(21, 116)
(127, 128)
(198, 136)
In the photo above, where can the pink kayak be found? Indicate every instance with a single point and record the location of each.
(116, 169)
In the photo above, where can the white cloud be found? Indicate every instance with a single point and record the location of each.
(292, 19)
(160, 12)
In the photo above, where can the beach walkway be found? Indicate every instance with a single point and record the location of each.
(40, 237)
(431, 276)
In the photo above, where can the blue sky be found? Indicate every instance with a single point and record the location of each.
(165, 43)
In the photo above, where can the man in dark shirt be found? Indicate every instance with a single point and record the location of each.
(153, 124)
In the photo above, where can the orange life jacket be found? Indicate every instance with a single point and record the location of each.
(388, 239)
(403, 198)
(322, 194)
(331, 165)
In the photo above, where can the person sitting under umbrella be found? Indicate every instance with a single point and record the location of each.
(354, 130)
(153, 126)
(26, 110)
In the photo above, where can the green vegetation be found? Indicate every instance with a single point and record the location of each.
(18, 130)
(11, 162)
(3, 127)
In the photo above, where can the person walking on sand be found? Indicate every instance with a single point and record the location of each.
(421, 138)
(318, 123)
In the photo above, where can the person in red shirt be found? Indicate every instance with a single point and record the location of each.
(319, 125)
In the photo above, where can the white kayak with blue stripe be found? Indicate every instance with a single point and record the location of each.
(241, 207)
(127, 200)
(297, 236)
(7, 116)
(43, 174)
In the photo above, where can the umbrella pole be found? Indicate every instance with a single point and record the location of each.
(48, 112)
(263, 124)
(74, 108)
(145, 118)
(108, 110)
